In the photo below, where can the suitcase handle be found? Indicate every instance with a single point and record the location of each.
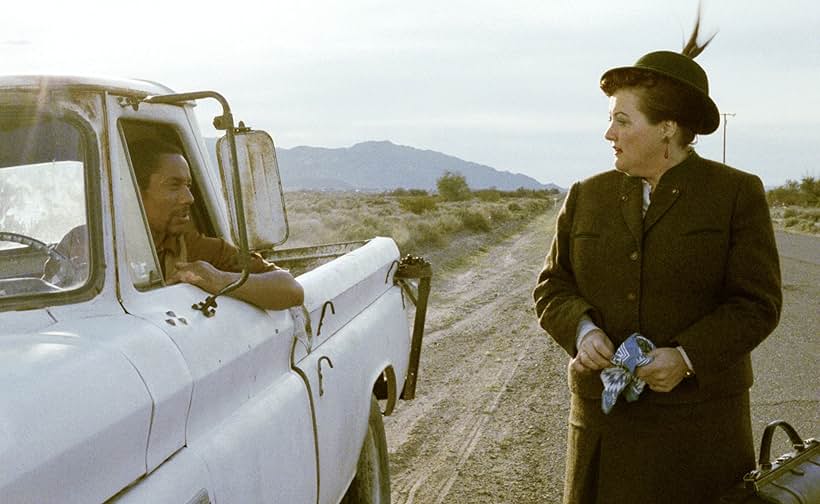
(766, 441)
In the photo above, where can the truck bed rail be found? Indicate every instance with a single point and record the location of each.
(301, 259)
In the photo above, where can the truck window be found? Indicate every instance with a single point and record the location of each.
(143, 266)
(144, 255)
(44, 245)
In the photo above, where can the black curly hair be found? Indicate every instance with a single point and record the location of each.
(145, 154)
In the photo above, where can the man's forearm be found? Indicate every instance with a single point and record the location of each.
(272, 290)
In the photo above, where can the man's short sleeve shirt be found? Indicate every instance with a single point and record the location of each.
(194, 246)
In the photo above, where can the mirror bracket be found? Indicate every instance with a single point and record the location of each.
(224, 121)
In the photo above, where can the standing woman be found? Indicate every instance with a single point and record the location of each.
(681, 250)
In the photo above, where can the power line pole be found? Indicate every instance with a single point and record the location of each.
(725, 120)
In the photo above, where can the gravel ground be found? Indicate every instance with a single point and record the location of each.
(488, 422)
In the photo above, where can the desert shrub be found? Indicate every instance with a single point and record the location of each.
(474, 220)
(378, 200)
(453, 187)
(532, 193)
(379, 226)
(325, 217)
(449, 223)
(805, 193)
(798, 218)
(417, 204)
(336, 220)
(357, 231)
(401, 191)
(324, 205)
(350, 203)
(425, 233)
(499, 214)
(488, 195)
(404, 239)
(536, 206)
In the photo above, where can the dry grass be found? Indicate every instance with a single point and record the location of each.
(796, 219)
(419, 224)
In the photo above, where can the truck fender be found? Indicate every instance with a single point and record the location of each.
(387, 388)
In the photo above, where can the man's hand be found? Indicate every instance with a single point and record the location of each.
(666, 370)
(271, 290)
(200, 273)
(594, 352)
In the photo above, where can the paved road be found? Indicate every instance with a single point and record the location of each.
(787, 364)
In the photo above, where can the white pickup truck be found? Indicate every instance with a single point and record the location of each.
(115, 387)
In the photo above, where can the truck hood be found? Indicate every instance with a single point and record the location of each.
(74, 419)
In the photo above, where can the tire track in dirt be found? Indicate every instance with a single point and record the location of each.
(468, 443)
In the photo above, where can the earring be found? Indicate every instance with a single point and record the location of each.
(666, 150)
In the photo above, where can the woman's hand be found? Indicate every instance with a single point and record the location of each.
(666, 370)
(594, 352)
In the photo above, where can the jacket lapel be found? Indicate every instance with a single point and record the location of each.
(663, 197)
(669, 189)
(631, 201)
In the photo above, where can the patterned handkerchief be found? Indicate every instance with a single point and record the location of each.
(621, 376)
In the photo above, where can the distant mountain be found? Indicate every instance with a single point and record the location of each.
(377, 166)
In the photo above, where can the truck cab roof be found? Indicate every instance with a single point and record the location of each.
(129, 87)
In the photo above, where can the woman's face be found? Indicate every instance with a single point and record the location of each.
(639, 146)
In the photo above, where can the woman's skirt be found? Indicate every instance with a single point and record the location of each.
(644, 452)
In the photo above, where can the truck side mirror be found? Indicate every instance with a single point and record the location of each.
(265, 215)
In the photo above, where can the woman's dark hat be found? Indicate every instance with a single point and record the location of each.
(682, 69)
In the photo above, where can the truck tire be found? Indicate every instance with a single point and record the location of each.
(371, 484)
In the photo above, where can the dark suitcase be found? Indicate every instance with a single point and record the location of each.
(792, 478)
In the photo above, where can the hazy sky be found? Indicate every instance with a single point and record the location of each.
(511, 84)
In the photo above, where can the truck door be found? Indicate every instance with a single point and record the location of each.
(360, 328)
(247, 414)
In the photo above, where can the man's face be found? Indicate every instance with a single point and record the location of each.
(168, 198)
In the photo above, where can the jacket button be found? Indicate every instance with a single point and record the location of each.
(631, 296)
(624, 197)
(634, 256)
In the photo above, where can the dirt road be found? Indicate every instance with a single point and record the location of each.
(488, 423)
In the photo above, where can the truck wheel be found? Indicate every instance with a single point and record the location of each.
(371, 485)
